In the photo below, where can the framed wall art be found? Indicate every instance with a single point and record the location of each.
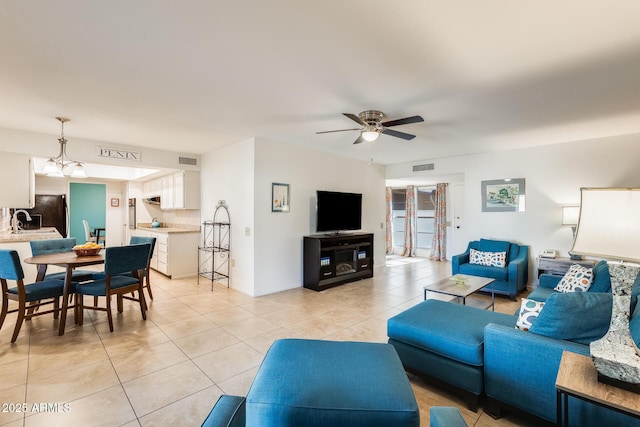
(279, 197)
(503, 195)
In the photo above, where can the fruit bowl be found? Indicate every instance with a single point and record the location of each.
(87, 251)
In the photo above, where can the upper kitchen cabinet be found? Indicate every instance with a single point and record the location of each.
(178, 190)
(18, 181)
(186, 185)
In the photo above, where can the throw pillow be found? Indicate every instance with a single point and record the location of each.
(529, 311)
(580, 317)
(489, 259)
(576, 279)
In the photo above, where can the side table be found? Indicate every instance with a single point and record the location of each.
(577, 377)
(559, 265)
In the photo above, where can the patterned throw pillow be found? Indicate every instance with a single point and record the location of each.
(490, 259)
(529, 311)
(576, 279)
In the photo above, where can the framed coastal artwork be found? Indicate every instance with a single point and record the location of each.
(503, 195)
(279, 197)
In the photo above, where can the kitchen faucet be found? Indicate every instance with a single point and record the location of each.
(16, 223)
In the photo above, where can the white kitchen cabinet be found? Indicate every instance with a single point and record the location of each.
(18, 178)
(175, 254)
(181, 190)
(152, 188)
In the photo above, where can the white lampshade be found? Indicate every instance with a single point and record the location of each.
(78, 171)
(609, 226)
(570, 215)
(50, 166)
(370, 135)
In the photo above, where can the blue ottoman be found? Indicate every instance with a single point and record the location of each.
(329, 383)
(444, 340)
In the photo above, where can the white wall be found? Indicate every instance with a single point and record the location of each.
(278, 236)
(269, 259)
(228, 174)
(554, 175)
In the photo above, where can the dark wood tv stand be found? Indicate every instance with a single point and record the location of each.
(331, 260)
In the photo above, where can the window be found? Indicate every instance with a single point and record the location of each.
(425, 211)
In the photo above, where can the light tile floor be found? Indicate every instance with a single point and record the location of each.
(196, 345)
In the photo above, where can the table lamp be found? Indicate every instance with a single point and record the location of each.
(570, 215)
(609, 227)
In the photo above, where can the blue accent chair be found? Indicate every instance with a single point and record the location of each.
(36, 294)
(53, 246)
(510, 279)
(123, 266)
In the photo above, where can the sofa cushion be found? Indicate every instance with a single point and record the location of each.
(451, 330)
(576, 279)
(581, 317)
(540, 294)
(491, 259)
(484, 271)
(488, 245)
(601, 278)
(529, 311)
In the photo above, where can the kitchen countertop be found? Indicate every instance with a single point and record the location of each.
(169, 228)
(44, 233)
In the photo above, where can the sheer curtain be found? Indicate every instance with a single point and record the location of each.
(388, 220)
(439, 243)
(410, 219)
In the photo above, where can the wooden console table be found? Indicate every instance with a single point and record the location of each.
(577, 377)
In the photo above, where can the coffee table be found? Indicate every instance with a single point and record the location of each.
(461, 286)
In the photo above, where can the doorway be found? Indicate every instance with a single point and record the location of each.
(86, 201)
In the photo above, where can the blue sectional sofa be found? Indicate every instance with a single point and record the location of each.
(483, 354)
(510, 279)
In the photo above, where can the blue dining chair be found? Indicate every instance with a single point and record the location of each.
(123, 271)
(53, 246)
(141, 240)
(36, 294)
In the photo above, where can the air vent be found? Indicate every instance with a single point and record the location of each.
(187, 161)
(425, 167)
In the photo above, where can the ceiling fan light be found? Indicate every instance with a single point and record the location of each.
(370, 135)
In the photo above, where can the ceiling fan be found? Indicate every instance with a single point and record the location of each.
(373, 126)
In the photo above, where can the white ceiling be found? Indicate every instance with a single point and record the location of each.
(194, 75)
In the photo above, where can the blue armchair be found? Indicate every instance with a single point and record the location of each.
(510, 279)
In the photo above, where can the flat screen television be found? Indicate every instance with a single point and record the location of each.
(338, 211)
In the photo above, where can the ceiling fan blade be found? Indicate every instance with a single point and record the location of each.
(405, 121)
(355, 118)
(397, 134)
(359, 140)
(340, 130)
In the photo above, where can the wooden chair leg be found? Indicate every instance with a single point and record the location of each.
(56, 307)
(21, 310)
(143, 303)
(148, 285)
(5, 309)
(109, 313)
(119, 300)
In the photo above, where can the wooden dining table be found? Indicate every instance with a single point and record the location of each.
(69, 261)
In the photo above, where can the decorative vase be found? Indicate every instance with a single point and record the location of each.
(615, 355)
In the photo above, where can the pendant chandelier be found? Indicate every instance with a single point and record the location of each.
(58, 166)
